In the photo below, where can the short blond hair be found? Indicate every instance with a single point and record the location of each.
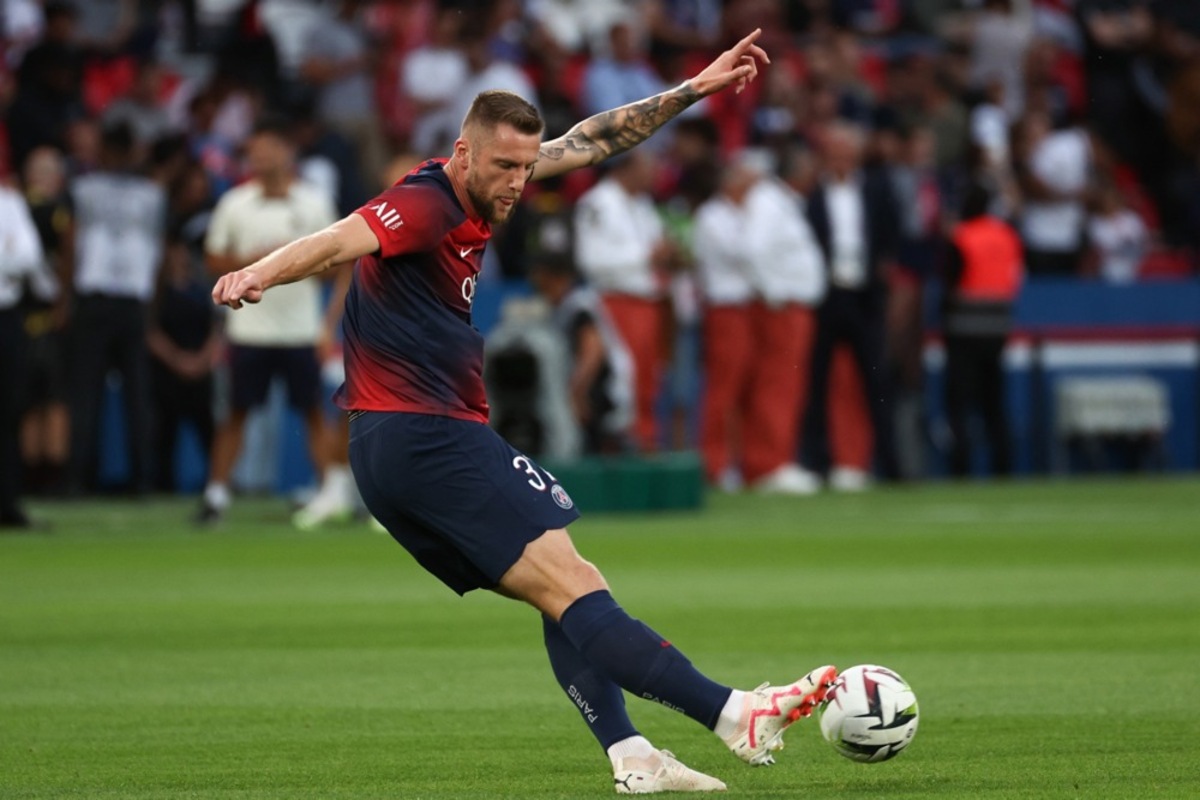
(498, 107)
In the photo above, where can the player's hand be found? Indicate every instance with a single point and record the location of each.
(737, 66)
(234, 288)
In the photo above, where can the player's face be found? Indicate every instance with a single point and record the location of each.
(499, 165)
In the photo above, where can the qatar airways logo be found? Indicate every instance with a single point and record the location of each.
(468, 288)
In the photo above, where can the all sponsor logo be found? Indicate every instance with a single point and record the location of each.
(389, 216)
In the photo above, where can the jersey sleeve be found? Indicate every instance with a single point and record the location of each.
(408, 219)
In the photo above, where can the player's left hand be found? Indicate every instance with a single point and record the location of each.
(234, 288)
(737, 66)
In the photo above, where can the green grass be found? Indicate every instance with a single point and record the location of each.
(1051, 632)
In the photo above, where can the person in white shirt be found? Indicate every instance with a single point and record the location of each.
(277, 337)
(621, 250)
(1117, 236)
(762, 272)
(1054, 174)
(20, 258)
(116, 244)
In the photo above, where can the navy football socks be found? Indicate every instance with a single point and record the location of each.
(599, 700)
(640, 661)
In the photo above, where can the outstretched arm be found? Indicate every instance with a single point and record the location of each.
(344, 241)
(611, 132)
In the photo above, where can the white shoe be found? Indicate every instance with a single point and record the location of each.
(769, 710)
(849, 479)
(789, 479)
(333, 503)
(661, 772)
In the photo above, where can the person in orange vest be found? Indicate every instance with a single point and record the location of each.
(984, 271)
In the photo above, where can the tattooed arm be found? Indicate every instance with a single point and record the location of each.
(611, 132)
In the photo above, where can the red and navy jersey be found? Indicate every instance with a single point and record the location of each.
(408, 339)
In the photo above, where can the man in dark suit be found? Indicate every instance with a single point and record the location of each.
(853, 216)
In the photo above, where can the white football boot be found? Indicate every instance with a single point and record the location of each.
(661, 772)
(334, 502)
(769, 710)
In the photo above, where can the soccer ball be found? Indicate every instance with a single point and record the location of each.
(869, 714)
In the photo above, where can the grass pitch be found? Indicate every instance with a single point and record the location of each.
(1051, 632)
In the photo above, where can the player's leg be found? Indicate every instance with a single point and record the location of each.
(552, 576)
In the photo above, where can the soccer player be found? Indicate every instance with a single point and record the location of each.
(471, 509)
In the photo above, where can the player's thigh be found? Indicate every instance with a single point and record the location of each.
(485, 500)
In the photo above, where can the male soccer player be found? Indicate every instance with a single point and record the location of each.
(471, 509)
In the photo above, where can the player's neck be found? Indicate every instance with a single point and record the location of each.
(460, 188)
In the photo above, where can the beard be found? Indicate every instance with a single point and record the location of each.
(489, 207)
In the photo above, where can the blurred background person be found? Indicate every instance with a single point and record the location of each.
(623, 74)
(984, 271)
(853, 216)
(117, 235)
(46, 423)
(622, 251)
(278, 337)
(600, 380)
(762, 272)
(339, 57)
(1053, 170)
(1116, 236)
(20, 259)
(185, 344)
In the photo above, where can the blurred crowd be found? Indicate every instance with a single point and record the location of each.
(764, 252)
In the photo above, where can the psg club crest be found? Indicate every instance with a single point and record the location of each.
(561, 497)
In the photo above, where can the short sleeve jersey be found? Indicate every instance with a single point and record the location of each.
(408, 339)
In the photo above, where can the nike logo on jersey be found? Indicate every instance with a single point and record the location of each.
(463, 252)
(390, 217)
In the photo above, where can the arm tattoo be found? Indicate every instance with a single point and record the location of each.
(611, 132)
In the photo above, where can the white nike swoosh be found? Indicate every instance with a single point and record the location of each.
(465, 251)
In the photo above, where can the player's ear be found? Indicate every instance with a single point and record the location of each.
(462, 150)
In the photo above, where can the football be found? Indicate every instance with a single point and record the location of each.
(870, 714)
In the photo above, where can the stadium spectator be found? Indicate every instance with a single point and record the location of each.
(431, 76)
(20, 259)
(623, 74)
(983, 278)
(762, 272)
(277, 338)
(921, 200)
(46, 424)
(143, 107)
(1116, 235)
(48, 95)
(577, 25)
(600, 383)
(339, 55)
(117, 235)
(622, 251)
(185, 343)
(853, 215)
(1053, 170)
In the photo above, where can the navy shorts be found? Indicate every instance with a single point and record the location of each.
(252, 368)
(457, 496)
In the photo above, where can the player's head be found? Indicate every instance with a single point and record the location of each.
(496, 151)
